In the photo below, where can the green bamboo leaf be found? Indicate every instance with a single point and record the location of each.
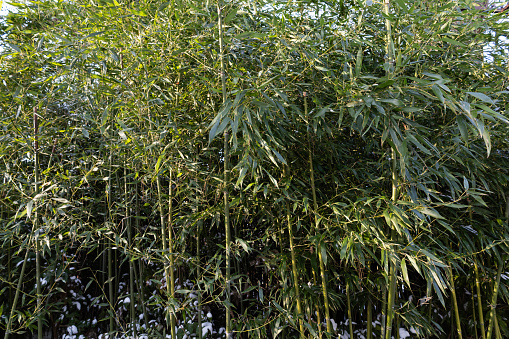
(323, 251)
(30, 207)
(279, 156)
(14, 47)
(94, 34)
(402, 5)
(358, 62)
(104, 116)
(158, 163)
(453, 42)
(163, 6)
(40, 43)
(438, 92)
(482, 97)
(405, 272)
(230, 15)
(418, 144)
(431, 212)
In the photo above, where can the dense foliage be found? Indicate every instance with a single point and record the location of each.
(254, 168)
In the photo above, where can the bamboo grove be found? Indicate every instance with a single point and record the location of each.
(254, 169)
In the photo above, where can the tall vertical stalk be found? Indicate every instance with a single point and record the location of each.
(392, 262)
(383, 319)
(455, 303)
(315, 227)
(350, 325)
(131, 263)
(369, 334)
(111, 291)
(141, 291)
(473, 313)
(226, 176)
(31, 238)
(36, 227)
(165, 247)
(294, 263)
(494, 298)
(228, 235)
(198, 274)
(170, 249)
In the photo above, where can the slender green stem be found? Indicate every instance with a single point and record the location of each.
(165, 246)
(139, 278)
(350, 325)
(494, 298)
(315, 212)
(479, 300)
(369, 334)
(170, 249)
(294, 264)
(131, 263)
(228, 235)
(36, 227)
(384, 310)
(198, 277)
(111, 291)
(392, 262)
(16, 295)
(473, 313)
(455, 303)
(226, 176)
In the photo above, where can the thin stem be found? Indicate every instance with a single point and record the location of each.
(455, 303)
(315, 212)
(294, 264)
(36, 227)
(350, 325)
(369, 334)
(479, 300)
(228, 235)
(170, 249)
(494, 298)
(131, 263)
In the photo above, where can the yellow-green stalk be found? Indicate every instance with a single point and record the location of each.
(315, 210)
(455, 303)
(294, 265)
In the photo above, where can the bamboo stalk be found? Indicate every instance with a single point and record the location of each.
(294, 264)
(497, 329)
(16, 295)
(455, 303)
(350, 325)
(198, 274)
(36, 227)
(315, 210)
(111, 292)
(473, 313)
(226, 177)
(369, 334)
(165, 248)
(228, 236)
(140, 264)
(392, 262)
(494, 299)
(170, 249)
(383, 321)
(479, 300)
(131, 263)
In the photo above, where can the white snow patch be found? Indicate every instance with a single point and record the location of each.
(205, 328)
(334, 325)
(403, 333)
